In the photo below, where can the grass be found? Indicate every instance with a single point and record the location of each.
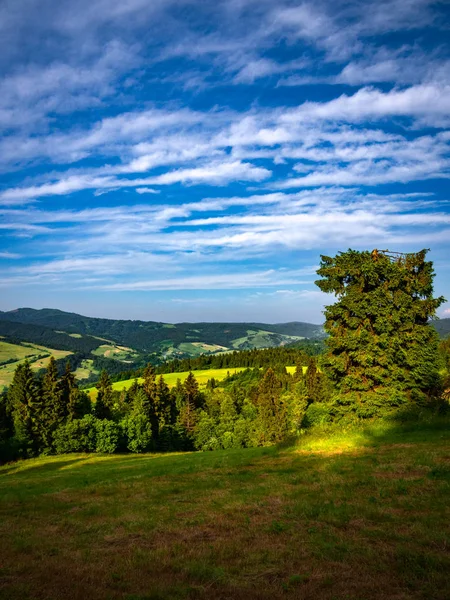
(350, 516)
(18, 353)
(116, 352)
(86, 369)
(201, 376)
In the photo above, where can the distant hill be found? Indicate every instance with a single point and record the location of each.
(153, 336)
(443, 327)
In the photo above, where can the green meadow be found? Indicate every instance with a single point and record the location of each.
(357, 515)
(201, 376)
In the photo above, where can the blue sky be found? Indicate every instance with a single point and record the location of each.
(185, 160)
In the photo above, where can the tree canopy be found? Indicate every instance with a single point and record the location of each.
(382, 351)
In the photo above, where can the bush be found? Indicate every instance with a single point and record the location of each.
(108, 436)
(206, 437)
(138, 433)
(79, 435)
(317, 414)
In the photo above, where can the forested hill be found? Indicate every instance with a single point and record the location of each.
(152, 336)
(443, 327)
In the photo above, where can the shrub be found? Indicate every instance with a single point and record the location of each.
(108, 436)
(317, 414)
(78, 435)
(138, 433)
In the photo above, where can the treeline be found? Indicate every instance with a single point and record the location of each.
(256, 358)
(51, 415)
(285, 355)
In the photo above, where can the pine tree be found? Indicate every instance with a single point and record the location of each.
(192, 390)
(272, 411)
(24, 401)
(75, 402)
(6, 422)
(150, 389)
(381, 347)
(52, 409)
(189, 400)
(104, 402)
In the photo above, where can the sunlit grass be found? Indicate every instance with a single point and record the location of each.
(202, 376)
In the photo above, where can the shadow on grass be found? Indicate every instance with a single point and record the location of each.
(37, 465)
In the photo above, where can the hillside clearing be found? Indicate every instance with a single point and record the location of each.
(36, 354)
(351, 517)
(201, 376)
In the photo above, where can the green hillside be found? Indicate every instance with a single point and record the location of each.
(118, 346)
(12, 355)
(152, 336)
(443, 327)
(360, 515)
(171, 379)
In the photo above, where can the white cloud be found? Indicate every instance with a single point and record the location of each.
(146, 190)
(218, 173)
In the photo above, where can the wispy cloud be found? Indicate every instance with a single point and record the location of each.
(173, 145)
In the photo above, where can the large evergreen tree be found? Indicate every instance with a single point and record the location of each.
(52, 409)
(382, 351)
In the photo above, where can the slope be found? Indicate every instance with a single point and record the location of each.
(356, 515)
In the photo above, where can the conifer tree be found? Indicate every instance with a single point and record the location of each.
(150, 389)
(190, 402)
(166, 414)
(52, 409)
(272, 411)
(24, 401)
(104, 402)
(75, 402)
(6, 422)
(381, 347)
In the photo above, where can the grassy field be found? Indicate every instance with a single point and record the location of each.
(201, 376)
(361, 516)
(86, 369)
(116, 352)
(19, 353)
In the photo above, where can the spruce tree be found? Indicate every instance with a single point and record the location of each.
(382, 350)
(25, 404)
(189, 400)
(76, 403)
(272, 411)
(52, 409)
(104, 402)
(150, 389)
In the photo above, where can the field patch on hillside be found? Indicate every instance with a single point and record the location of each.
(12, 355)
(86, 369)
(201, 376)
(361, 517)
(115, 352)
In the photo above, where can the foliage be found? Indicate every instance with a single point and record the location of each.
(104, 402)
(137, 430)
(77, 435)
(108, 436)
(382, 351)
